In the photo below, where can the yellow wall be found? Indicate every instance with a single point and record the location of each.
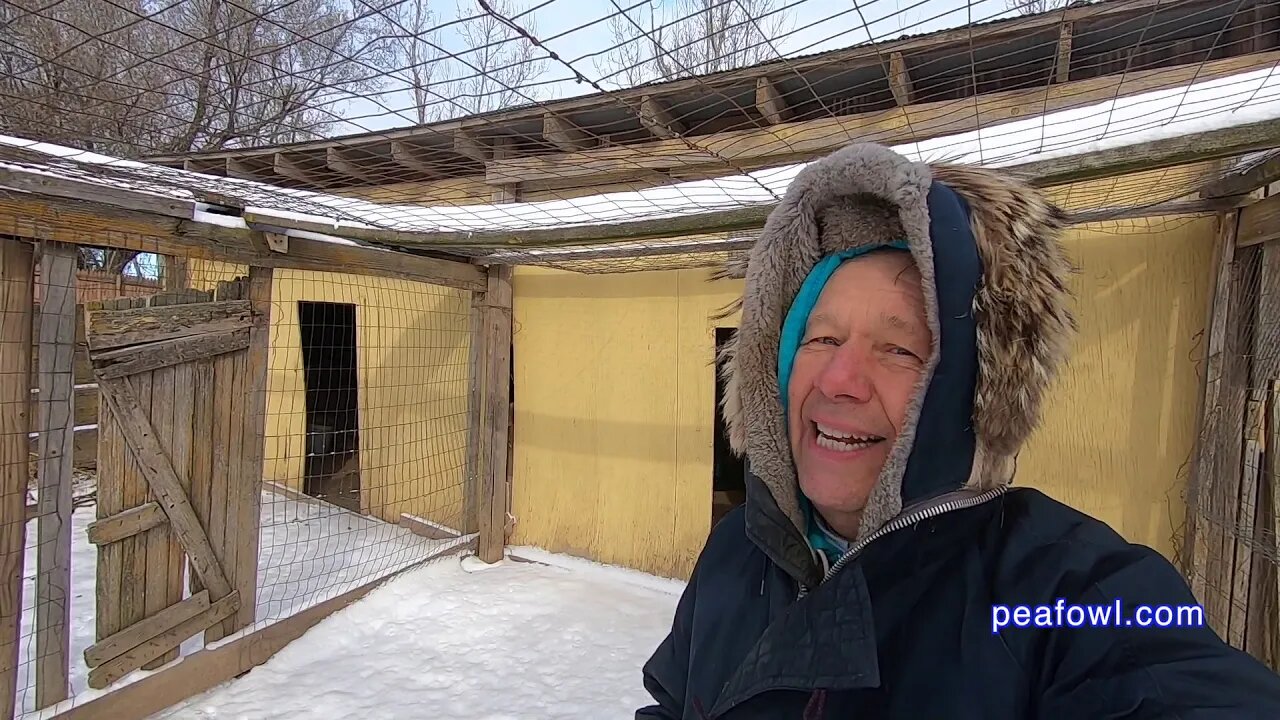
(412, 341)
(615, 393)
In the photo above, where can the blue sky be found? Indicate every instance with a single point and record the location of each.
(578, 32)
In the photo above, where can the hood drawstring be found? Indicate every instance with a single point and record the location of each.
(817, 703)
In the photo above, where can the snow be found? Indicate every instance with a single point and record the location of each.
(461, 640)
(309, 551)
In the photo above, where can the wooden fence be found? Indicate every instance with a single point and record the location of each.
(173, 384)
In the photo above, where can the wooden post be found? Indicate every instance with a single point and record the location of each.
(475, 423)
(15, 390)
(176, 272)
(492, 445)
(57, 428)
(244, 575)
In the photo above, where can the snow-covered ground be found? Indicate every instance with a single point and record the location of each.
(462, 640)
(309, 552)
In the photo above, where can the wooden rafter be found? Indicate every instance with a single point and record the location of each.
(772, 106)
(285, 166)
(353, 164)
(900, 80)
(1062, 62)
(562, 133)
(655, 116)
(408, 156)
(468, 145)
(1245, 180)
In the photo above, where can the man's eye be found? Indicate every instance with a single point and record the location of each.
(824, 340)
(903, 352)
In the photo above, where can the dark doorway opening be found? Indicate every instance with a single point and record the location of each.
(728, 471)
(332, 468)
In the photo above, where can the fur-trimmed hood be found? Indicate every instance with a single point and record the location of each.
(994, 279)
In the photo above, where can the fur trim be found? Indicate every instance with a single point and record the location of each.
(869, 195)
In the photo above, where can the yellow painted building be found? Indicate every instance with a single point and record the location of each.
(411, 347)
(614, 398)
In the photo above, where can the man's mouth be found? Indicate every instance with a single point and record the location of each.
(839, 441)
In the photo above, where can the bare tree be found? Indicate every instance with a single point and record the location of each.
(498, 68)
(666, 40)
(1034, 7)
(420, 62)
(132, 78)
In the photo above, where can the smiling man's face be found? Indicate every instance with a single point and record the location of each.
(864, 348)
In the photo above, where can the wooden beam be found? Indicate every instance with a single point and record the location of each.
(1245, 180)
(136, 359)
(134, 635)
(505, 192)
(126, 524)
(1062, 64)
(16, 265)
(468, 145)
(239, 169)
(900, 80)
(106, 226)
(54, 466)
(407, 156)
(206, 669)
(492, 453)
(136, 657)
(341, 161)
(284, 166)
(471, 504)
(770, 103)
(657, 118)
(723, 153)
(50, 186)
(119, 328)
(1260, 222)
(562, 133)
(163, 482)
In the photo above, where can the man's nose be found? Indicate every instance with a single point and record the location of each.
(845, 375)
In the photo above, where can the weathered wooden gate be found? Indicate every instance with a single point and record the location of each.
(182, 380)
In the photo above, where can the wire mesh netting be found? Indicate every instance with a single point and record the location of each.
(365, 400)
(406, 116)
(1229, 550)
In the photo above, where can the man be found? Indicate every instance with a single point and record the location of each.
(900, 327)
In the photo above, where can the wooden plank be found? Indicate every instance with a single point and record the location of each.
(253, 447)
(110, 503)
(136, 428)
(82, 369)
(235, 481)
(133, 580)
(53, 186)
(425, 528)
(493, 438)
(156, 596)
(84, 447)
(205, 669)
(118, 328)
(134, 635)
(180, 452)
(54, 465)
(1201, 489)
(202, 414)
(166, 353)
(126, 524)
(16, 266)
(803, 140)
(220, 468)
(156, 647)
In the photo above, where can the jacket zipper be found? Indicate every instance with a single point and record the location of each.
(903, 521)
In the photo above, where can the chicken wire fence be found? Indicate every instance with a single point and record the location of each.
(365, 405)
(1230, 550)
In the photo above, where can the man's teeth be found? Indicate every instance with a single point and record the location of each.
(833, 439)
